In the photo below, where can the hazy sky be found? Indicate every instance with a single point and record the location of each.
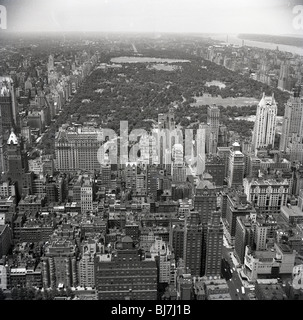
(209, 16)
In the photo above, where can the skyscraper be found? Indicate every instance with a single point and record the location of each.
(152, 181)
(205, 202)
(125, 274)
(201, 139)
(292, 128)
(77, 149)
(6, 119)
(6, 108)
(284, 79)
(213, 116)
(265, 124)
(16, 162)
(59, 264)
(214, 245)
(244, 235)
(193, 243)
(236, 166)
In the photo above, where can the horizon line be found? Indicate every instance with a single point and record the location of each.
(7, 31)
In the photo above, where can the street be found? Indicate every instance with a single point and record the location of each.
(230, 273)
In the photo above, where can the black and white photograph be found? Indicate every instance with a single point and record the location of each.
(151, 154)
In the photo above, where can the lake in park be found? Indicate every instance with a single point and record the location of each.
(145, 60)
(207, 99)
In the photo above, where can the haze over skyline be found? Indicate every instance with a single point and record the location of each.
(199, 16)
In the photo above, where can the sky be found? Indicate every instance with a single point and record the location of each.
(199, 16)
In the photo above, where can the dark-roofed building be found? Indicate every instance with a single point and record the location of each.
(269, 291)
(236, 206)
(5, 239)
(124, 274)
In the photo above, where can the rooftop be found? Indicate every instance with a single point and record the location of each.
(205, 184)
(12, 138)
(291, 211)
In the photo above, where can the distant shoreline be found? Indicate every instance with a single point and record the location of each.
(282, 40)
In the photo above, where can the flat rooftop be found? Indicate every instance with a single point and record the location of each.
(291, 211)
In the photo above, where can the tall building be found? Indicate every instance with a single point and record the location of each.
(201, 145)
(236, 166)
(131, 176)
(166, 137)
(284, 81)
(224, 153)
(167, 120)
(16, 162)
(5, 236)
(178, 172)
(213, 118)
(161, 251)
(125, 274)
(291, 137)
(106, 176)
(178, 240)
(244, 236)
(214, 245)
(205, 202)
(193, 238)
(77, 149)
(6, 108)
(223, 136)
(152, 181)
(267, 195)
(8, 116)
(86, 194)
(236, 205)
(215, 166)
(86, 264)
(265, 124)
(59, 264)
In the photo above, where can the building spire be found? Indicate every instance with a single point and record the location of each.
(12, 138)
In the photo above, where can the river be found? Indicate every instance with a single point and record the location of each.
(233, 39)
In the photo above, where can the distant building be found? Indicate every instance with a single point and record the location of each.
(77, 149)
(284, 82)
(291, 136)
(213, 118)
(7, 105)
